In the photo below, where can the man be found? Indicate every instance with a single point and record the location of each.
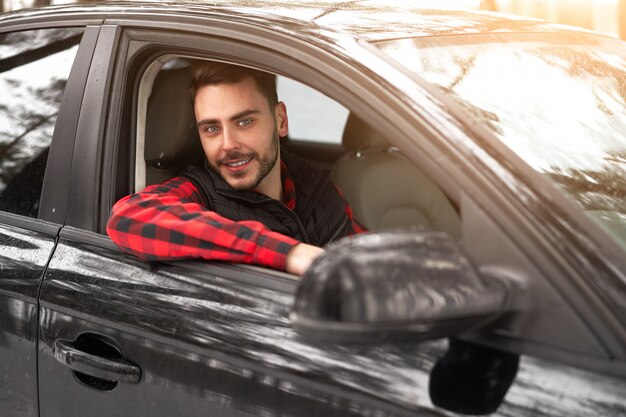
(251, 203)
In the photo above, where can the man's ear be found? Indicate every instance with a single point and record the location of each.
(282, 122)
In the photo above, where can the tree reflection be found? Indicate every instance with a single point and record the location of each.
(583, 65)
(33, 74)
(558, 101)
(13, 155)
(604, 187)
(599, 189)
(487, 117)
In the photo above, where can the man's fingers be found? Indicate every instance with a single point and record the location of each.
(300, 258)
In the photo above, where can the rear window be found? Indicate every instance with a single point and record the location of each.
(34, 68)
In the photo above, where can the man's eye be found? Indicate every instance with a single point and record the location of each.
(244, 122)
(211, 129)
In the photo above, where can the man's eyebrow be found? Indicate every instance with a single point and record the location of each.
(237, 116)
(205, 122)
(244, 114)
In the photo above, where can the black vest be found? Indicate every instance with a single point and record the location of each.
(319, 216)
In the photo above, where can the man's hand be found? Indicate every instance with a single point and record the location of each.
(300, 257)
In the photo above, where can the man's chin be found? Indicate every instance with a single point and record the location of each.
(241, 184)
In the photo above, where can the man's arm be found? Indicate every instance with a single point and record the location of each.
(168, 222)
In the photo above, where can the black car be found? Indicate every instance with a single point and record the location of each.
(485, 153)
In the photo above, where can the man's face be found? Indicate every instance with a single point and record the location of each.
(240, 133)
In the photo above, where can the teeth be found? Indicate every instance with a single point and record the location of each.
(238, 164)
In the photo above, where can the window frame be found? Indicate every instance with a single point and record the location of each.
(144, 46)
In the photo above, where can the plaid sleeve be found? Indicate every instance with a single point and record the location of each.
(168, 222)
(356, 226)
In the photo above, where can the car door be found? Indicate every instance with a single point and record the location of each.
(35, 67)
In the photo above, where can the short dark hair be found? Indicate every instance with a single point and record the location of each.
(214, 73)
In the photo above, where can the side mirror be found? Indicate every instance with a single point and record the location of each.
(407, 284)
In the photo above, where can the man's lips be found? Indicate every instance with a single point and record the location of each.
(237, 165)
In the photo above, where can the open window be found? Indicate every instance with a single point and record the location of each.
(383, 187)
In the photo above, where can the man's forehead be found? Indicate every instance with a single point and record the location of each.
(230, 98)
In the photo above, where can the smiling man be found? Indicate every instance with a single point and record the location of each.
(251, 202)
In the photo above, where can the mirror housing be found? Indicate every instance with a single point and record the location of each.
(408, 284)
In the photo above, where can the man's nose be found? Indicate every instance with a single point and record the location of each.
(229, 140)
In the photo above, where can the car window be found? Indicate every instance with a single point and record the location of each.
(34, 68)
(313, 116)
(558, 102)
(170, 142)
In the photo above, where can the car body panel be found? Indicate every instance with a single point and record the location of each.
(25, 248)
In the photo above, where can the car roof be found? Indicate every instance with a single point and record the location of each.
(371, 20)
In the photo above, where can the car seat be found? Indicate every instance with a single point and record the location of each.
(384, 189)
(171, 138)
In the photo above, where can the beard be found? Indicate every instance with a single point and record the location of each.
(266, 161)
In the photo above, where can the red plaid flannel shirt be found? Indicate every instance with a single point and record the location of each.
(168, 222)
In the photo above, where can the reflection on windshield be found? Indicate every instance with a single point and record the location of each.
(558, 101)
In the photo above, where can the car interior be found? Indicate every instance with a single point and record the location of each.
(383, 187)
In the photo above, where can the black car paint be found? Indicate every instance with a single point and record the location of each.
(203, 335)
(24, 253)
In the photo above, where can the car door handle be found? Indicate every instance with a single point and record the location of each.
(108, 369)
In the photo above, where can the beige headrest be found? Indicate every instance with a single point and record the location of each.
(359, 136)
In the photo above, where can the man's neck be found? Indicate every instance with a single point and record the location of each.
(272, 185)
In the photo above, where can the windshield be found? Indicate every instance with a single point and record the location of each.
(558, 101)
